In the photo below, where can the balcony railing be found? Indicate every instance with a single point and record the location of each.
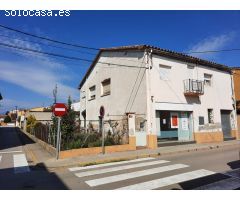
(193, 87)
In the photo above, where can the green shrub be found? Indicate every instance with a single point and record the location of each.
(7, 119)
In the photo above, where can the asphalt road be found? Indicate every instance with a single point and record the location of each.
(209, 169)
(17, 167)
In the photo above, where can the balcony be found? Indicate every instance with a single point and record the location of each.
(193, 87)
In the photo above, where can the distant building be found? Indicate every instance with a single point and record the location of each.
(76, 106)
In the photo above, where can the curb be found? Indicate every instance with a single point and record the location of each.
(131, 157)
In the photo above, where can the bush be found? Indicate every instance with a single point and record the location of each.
(31, 121)
(7, 119)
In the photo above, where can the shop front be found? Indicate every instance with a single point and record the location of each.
(174, 125)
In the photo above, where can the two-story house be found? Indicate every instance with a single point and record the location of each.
(173, 96)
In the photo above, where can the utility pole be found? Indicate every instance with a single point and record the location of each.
(16, 116)
(55, 94)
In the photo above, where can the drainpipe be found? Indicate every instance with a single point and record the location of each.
(150, 121)
(235, 105)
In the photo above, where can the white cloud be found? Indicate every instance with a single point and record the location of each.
(211, 43)
(36, 78)
(35, 72)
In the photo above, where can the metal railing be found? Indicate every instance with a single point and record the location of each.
(192, 86)
(86, 134)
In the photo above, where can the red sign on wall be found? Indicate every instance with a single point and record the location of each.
(174, 120)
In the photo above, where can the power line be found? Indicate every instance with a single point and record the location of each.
(211, 51)
(61, 55)
(134, 84)
(47, 39)
(60, 47)
(41, 43)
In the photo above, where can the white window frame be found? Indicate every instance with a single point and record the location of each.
(102, 87)
(208, 81)
(164, 72)
(83, 94)
(209, 120)
(91, 95)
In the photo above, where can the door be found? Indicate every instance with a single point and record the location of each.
(141, 138)
(226, 123)
(185, 128)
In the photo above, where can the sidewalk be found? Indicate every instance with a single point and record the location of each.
(119, 156)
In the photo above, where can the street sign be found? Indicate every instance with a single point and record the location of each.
(102, 111)
(59, 109)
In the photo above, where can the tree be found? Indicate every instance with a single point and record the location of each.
(68, 125)
(31, 121)
(7, 119)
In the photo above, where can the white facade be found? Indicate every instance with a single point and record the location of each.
(153, 84)
(122, 97)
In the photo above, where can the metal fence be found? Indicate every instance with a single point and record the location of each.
(85, 134)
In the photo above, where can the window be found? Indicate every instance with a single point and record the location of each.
(208, 79)
(106, 87)
(83, 94)
(164, 71)
(190, 71)
(168, 121)
(210, 116)
(201, 120)
(92, 92)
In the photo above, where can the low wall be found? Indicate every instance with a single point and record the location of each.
(97, 150)
(152, 141)
(234, 133)
(208, 137)
(46, 146)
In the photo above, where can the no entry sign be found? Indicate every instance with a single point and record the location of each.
(59, 109)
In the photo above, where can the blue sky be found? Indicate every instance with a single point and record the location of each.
(27, 80)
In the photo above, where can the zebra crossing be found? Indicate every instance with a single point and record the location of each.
(16, 163)
(149, 174)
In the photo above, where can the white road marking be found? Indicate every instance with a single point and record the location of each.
(154, 184)
(113, 169)
(20, 163)
(225, 184)
(6, 152)
(109, 164)
(121, 177)
(0, 158)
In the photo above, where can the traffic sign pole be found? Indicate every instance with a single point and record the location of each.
(58, 138)
(59, 110)
(102, 113)
(103, 137)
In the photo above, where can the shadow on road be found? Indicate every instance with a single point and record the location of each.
(38, 178)
(234, 164)
(10, 137)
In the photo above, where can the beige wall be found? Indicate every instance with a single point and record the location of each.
(40, 116)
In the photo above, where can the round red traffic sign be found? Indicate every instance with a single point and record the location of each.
(102, 111)
(59, 109)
